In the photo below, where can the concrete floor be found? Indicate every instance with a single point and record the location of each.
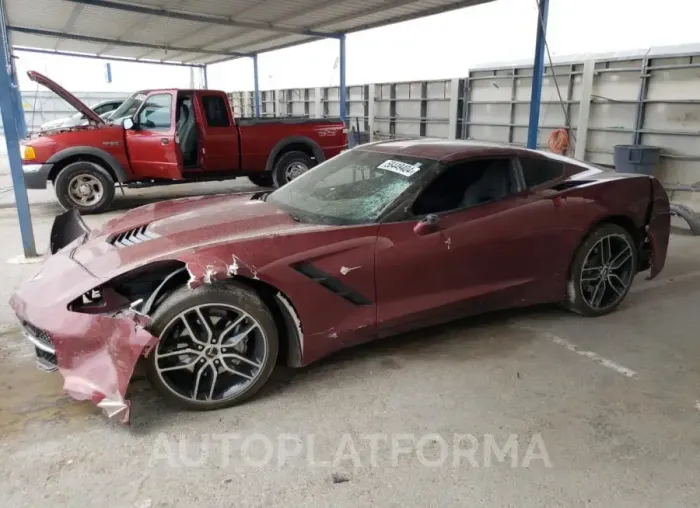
(615, 401)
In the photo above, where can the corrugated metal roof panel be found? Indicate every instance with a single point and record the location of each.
(47, 14)
(278, 24)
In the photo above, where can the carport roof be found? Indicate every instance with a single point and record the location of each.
(199, 31)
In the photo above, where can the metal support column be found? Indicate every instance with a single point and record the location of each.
(342, 92)
(584, 109)
(537, 75)
(256, 79)
(17, 99)
(641, 104)
(205, 77)
(9, 112)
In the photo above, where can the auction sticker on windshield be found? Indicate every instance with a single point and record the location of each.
(402, 168)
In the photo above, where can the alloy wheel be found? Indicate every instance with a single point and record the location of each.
(211, 353)
(607, 272)
(294, 170)
(85, 190)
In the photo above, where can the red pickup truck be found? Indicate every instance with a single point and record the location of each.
(170, 136)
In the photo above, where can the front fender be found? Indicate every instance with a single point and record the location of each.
(113, 165)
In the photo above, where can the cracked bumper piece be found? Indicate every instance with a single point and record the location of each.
(95, 354)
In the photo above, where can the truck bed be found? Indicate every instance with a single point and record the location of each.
(286, 120)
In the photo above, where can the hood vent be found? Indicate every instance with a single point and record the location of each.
(132, 237)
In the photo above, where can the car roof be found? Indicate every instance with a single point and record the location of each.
(447, 150)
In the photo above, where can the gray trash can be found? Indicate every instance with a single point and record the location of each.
(636, 158)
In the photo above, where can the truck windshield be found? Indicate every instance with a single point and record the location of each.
(353, 188)
(128, 107)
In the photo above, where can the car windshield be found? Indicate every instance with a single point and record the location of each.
(128, 107)
(353, 188)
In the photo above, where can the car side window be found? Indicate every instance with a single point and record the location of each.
(155, 113)
(104, 108)
(467, 184)
(540, 170)
(215, 111)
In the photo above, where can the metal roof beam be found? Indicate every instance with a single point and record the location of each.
(98, 57)
(200, 18)
(116, 42)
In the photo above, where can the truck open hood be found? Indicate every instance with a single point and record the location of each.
(65, 95)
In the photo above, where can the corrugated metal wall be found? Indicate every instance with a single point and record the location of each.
(652, 98)
(44, 105)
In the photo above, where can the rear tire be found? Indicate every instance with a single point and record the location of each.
(602, 271)
(85, 186)
(262, 179)
(291, 165)
(222, 346)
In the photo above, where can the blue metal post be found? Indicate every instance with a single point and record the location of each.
(9, 112)
(343, 93)
(17, 99)
(206, 77)
(537, 75)
(256, 79)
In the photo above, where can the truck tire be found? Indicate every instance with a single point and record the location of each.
(289, 166)
(262, 179)
(84, 186)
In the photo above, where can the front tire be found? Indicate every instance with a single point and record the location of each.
(218, 346)
(262, 179)
(85, 186)
(290, 166)
(602, 271)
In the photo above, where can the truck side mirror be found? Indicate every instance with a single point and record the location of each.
(128, 124)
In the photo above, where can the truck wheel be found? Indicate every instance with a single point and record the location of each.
(262, 179)
(291, 165)
(85, 186)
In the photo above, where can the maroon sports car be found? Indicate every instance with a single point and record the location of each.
(213, 291)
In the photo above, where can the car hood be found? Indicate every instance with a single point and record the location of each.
(175, 228)
(65, 95)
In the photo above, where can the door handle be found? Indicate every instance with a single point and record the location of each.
(164, 141)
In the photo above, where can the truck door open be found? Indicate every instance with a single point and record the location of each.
(219, 140)
(151, 145)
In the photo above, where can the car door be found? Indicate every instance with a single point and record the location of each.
(542, 176)
(153, 152)
(219, 140)
(464, 255)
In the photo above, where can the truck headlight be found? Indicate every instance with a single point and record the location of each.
(27, 152)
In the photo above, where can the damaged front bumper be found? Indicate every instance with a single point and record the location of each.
(95, 353)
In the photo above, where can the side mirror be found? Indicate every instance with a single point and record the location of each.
(430, 224)
(128, 124)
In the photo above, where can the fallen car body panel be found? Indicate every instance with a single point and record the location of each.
(336, 285)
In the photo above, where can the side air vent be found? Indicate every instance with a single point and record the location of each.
(132, 237)
(331, 284)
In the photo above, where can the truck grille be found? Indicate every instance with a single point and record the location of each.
(132, 237)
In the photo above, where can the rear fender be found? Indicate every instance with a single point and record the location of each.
(658, 226)
(283, 144)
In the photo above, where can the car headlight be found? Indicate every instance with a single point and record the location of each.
(27, 152)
